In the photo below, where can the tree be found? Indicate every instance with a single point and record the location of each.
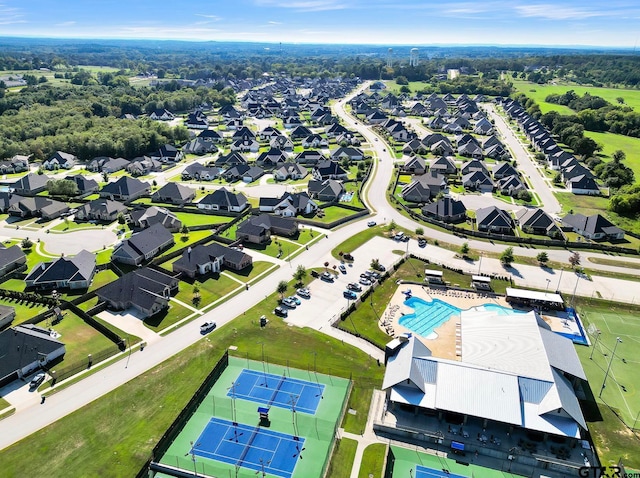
(26, 243)
(375, 264)
(574, 259)
(464, 249)
(419, 231)
(184, 230)
(282, 288)
(392, 225)
(524, 195)
(196, 295)
(300, 274)
(326, 264)
(585, 147)
(619, 155)
(62, 187)
(507, 256)
(402, 80)
(405, 89)
(542, 258)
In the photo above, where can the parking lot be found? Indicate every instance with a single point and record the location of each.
(327, 300)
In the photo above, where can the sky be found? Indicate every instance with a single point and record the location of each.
(614, 23)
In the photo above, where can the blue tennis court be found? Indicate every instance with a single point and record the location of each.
(424, 472)
(249, 447)
(278, 390)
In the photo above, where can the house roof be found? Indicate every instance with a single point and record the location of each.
(125, 186)
(141, 287)
(83, 184)
(23, 345)
(325, 187)
(445, 207)
(224, 197)
(329, 168)
(593, 224)
(193, 257)
(174, 191)
(534, 217)
(31, 182)
(145, 241)
(155, 215)
(493, 216)
(80, 267)
(10, 255)
(103, 206)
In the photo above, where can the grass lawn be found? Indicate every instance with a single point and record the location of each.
(79, 338)
(249, 273)
(24, 310)
(613, 142)
(191, 219)
(89, 304)
(94, 439)
(104, 256)
(102, 278)
(184, 241)
(174, 314)
(631, 97)
(212, 287)
(588, 205)
(342, 459)
(73, 226)
(34, 257)
(373, 460)
(4, 404)
(613, 440)
(414, 86)
(333, 213)
(357, 240)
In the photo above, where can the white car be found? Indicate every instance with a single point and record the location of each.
(207, 326)
(365, 282)
(304, 293)
(371, 223)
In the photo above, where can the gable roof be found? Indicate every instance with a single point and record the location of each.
(81, 267)
(223, 196)
(144, 242)
(141, 287)
(125, 186)
(445, 207)
(174, 191)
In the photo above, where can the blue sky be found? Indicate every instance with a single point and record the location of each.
(406, 22)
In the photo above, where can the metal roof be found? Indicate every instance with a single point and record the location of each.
(534, 295)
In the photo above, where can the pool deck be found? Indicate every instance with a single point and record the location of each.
(445, 341)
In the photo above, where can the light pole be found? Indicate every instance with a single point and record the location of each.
(480, 262)
(573, 298)
(595, 344)
(559, 280)
(613, 354)
(547, 288)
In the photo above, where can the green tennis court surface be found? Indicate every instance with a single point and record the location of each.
(189, 452)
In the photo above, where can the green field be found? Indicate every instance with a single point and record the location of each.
(621, 395)
(613, 142)
(414, 86)
(631, 97)
(191, 219)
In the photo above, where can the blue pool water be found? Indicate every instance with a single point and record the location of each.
(428, 316)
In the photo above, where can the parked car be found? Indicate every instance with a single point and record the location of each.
(365, 282)
(347, 257)
(304, 293)
(422, 242)
(349, 294)
(289, 303)
(315, 274)
(280, 311)
(207, 326)
(37, 380)
(327, 277)
(354, 287)
(295, 299)
(342, 268)
(374, 275)
(371, 223)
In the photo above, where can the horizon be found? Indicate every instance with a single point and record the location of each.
(334, 22)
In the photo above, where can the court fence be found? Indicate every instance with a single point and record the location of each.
(183, 417)
(343, 410)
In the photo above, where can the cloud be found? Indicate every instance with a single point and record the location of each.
(66, 24)
(305, 5)
(10, 15)
(556, 12)
(271, 22)
(214, 18)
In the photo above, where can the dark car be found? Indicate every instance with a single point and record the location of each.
(422, 242)
(349, 294)
(347, 257)
(280, 312)
(354, 287)
(315, 274)
(37, 380)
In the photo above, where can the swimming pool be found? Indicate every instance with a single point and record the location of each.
(428, 316)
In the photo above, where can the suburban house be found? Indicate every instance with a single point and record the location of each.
(258, 229)
(415, 165)
(444, 165)
(143, 165)
(125, 189)
(329, 170)
(38, 206)
(289, 205)
(212, 258)
(85, 186)
(201, 173)
(327, 190)
(196, 120)
(100, 210)
(146, 290)
(60, 160)
(63, 273)
(107, 165)
(446, 209)
(309, 157)
(211, 136)
(17, 164)
(536, 221)
(290, 171)
(474, 165)
(31, 184)
(478, 181)
(11, 258)
(503, 170)
(246, 146)
(583, 184)
(199, 146)
(25, 349)
(162, 115)
(223, 200)
(232, 159)
(352, 154)
(143, 245)
(174, 193)
(595, 227)
(424, 187)
(243, 172)
(315, 141)
(282, 143)
(510, 185)
(495, 220)
(168, 154)
(271, 158)
(146, 217)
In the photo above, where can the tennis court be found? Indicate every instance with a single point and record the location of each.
(249, 447)
(424, 472)
(277, 390)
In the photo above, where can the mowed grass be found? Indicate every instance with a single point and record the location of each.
(191, 219)
(373, 460)
(631, 97)
(414, 86)
(94, 438)
(612, 438)
(342, 460)
(24, 310)
(355, 241)
(614, 142)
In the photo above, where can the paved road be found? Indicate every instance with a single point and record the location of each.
(32, 416)
(526, 164)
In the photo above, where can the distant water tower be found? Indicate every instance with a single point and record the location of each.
(389, 57)
(413, 57)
